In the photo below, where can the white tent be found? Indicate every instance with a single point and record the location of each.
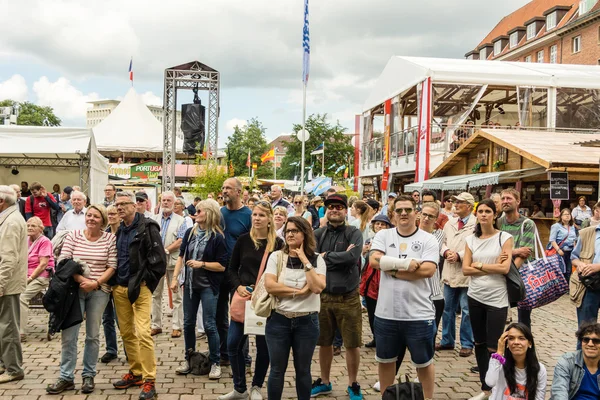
(402, 73)
(130, 128)
(50, 155)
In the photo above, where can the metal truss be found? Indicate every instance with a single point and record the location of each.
(189, 76)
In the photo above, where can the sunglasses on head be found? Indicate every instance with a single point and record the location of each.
(338, 207)
(587, 339)
(263, 204)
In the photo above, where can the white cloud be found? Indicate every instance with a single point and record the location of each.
(14, 88)
(69, 103)
(232, 123)
(150, 99)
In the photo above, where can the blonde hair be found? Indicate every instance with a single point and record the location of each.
(300, 198)
(110, 208)
(271, 233)
(283, 210)
(102, 210)
(365, 213)
(37, 222)
(213, 216)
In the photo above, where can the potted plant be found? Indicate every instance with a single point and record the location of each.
(476, 167)
(499, 165)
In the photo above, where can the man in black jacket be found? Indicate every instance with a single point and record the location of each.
(142, 262)
(340, 245)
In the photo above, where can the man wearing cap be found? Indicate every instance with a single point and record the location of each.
(390, 203)
(341, 246)
(375, 205)
(455, 283)
(64, 202)
(141, 204)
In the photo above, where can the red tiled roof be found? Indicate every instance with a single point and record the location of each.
(279, 143)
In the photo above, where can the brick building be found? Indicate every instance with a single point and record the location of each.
(280, 147)
(549, 31)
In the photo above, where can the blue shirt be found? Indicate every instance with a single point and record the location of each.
(577, 250)
(124, 238)
(558, 233)
(164, 225)
(235, 224)
(589, 389)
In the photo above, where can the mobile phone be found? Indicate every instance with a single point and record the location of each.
(249, 289)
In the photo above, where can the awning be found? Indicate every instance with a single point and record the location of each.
(489, 178)
(433, 183)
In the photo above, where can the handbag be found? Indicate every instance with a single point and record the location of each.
(544, 281)
(263, 302)
(237, 309)
(552, 251)
(406, 390)
(514, 284)
(591, 282)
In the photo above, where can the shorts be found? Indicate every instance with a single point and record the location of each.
(343, 312)
(394, 337)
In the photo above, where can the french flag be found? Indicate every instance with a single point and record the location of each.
(131, 70)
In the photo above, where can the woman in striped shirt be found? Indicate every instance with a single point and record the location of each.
(98, 250)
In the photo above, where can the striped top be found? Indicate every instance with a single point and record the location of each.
(99, 255)
(436, 284)
(522, 230)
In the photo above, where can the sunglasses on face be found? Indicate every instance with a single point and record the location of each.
(403, 210)
(586, 340)
(297, 202)
(425, 215)
(140, 200)
(338, 207)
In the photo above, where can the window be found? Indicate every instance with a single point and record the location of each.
(531, 31)
(576, 44)
(514, 39)
(553, 54)
(586, 5)
(540, 56)
(482, 54)
(528, 59)
(551, 21)
(498, 47)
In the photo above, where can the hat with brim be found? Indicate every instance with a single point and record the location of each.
(382, 218)
(464, 196)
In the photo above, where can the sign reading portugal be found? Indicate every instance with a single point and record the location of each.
(146, 171)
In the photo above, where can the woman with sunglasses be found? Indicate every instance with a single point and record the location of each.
(244, 267)
(515, 372)
(486, 261)
(300, 209)
(280, 216)
(296, 277)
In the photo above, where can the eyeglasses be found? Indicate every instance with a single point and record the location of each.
(292, 232)
(425, 215)
(338, 207)
(298, 202)
(403, 210)
(140, 200)
(587, 339)
(123, 204)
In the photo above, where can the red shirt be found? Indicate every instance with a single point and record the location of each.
(41, 208)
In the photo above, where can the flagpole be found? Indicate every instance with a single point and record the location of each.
(323, 161)
(303, 137)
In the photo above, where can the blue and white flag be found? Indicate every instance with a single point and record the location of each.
(322, 187)
(305, 46)
(312, 185)
(340, 169)
(319, 150)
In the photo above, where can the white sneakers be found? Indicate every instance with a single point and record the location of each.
(215, 373)
(377, 387)
(255, 393)
(234, 395)
(480, 396)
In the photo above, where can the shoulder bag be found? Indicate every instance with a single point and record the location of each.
(514, 284)
(238, 303)
(263, 302)
(552, 251)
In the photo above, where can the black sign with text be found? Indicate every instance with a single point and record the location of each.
(559, 185)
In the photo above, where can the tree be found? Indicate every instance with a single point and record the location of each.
(249, 138)
(210, 179)
(339, 151)
(31, 114)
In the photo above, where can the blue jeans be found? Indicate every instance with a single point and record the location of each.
(108, 323)
(299, 334)
(191, 302)
(93, 304)
(588, 311)
(235, 347)
(453, 297)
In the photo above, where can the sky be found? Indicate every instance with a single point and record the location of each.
(63, 53)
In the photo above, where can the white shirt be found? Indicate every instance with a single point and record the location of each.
(401, 300)
(72, 221)
(496, 380)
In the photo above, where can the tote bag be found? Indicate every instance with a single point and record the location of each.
(263, 302)
(543, 279)
(237, 310)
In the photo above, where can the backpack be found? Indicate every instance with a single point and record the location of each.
(316, 221)
(199, 362)
(404, 391)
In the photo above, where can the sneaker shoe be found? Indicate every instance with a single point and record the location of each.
(215, 372)
(184, 369)
(234, 395)
(371, 344)
(354, 391)
(108, 357)
(377, 386)
(60, 386)
(128, 380)
(255, 393)
(319, 388)
(88, 385)
(5, 378)
(148, 390)
(474, 370)
(481, 396)
(155, 331)
(337, 350)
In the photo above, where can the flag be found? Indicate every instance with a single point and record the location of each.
(131, 70)
(346, 173)
(309, 176)
(337, 171)
(268, 156)
(319, 150)
(422, 167)
(322, 187)
(313, 183)
(248, 161)
(305, 46)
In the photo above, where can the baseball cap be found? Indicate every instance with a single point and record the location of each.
(392, 194)
(141, 196)
(464, 196)
(68, 190)
(374, 204)
(337, 198)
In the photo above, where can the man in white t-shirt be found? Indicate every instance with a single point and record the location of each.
(405, 314)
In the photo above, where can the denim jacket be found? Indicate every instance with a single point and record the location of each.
(568, 375)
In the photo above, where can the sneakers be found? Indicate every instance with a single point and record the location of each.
(377, 386)
(215, 372)
(371, 344)
(6, 377)
(319, 388)
(184, 369)
(108, 357)
(128, 380)
(234, 395)
(481, 396)
(255, 393)
(148, 390)
(60, 386)
(337, 350)
(354, 391)
(88, 385)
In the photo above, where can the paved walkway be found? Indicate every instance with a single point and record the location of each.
(553, 328)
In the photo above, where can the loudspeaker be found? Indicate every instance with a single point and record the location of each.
(192, 125)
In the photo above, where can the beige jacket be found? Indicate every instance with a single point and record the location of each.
(455, 241)
(13, 252)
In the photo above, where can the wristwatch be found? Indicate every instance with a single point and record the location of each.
(308, 267)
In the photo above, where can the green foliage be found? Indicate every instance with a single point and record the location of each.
(210, 179)
(31, 114)
(249, 138)
(476, 167)
(338, 149)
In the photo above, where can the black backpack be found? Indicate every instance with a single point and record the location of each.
(316, 221)
(199, 362)
(404, 391)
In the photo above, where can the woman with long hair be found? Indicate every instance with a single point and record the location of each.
(203, 258)
(563, 236)
(296, 277)
(362, 212)
(515, 372)
(300, 209)
(486, 260)
(244, 267)
(98, 249)
(280, 216)
(113, 219)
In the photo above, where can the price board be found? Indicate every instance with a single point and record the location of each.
(559, 185)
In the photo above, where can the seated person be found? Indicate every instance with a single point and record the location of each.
(537, 211)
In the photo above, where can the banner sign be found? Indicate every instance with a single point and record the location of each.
(122, 171)
(424, 134)
(386, 145)
(559, 185)
(146, 171)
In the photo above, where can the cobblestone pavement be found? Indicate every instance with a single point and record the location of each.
(553, 328)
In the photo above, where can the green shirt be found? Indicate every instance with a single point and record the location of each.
(526, 239)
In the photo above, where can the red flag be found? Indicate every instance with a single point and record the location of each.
(248, 161)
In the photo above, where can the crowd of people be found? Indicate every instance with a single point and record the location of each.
(322, 260)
